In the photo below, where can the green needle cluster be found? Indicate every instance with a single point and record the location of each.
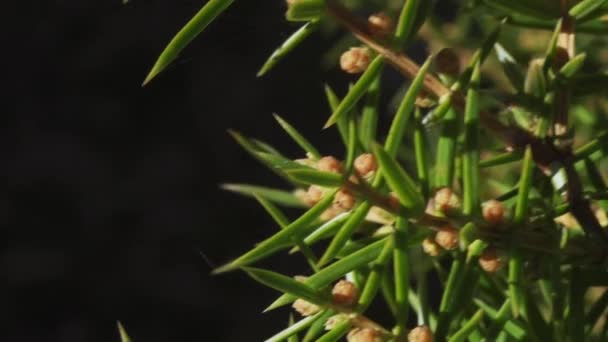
(491, 177)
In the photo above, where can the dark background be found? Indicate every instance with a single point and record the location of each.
(110, 191)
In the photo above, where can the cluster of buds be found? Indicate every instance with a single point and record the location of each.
(490, 261)
(420, 333)
(355, 60)
(446, 202)
(364, 165)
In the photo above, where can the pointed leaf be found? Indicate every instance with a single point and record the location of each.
(305, 10)
(347, 230)
(468, 328)
(334, 103)
(373, 280)
(327, 229)
(573, 66)
(585, 8)
(400, 182)
(283, 222)
(552, 47)
(397, 130)
(288, 46)
(421, 148)
(280, 197)
(318, 326)
(446, 150)
(470, 157)
(298, 137)
(369, 118)
(124, 337)
(193, 28)
(357, 91)
(287, 285)
(336, 270)
(296, 327)
(512, 70)
(406, 22)
(401, 271)
(277, 241)
(311, 176)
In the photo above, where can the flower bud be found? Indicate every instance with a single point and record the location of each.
(380, 24)
(355, 60)
(493, 212)
(363, 335)
(305, 308)
(420, 333)
(448, 62)
(345, 293)
(331, 212)
(446, 201)
(447, 237)
(329, 164)
(490, 261)
(365, 164)
(344, 199)
(430, 247)
(313, 195)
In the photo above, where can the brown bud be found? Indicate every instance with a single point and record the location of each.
(355, 60)
(365, 164)
(380, 24)
(420, 333)
(313, 195)
(305, 308)
(448, 62)
(329, 164)
(344, 199)
(331, 212)
(493, 212)
(447, 237)
(446, 201)
(490, 261)
(430, 247)
(345, 293)
(363, 335)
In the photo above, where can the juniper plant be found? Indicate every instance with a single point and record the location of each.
(480, 183)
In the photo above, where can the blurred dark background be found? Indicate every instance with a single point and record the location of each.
(110, 194)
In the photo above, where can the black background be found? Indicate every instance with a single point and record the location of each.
(111, 190)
